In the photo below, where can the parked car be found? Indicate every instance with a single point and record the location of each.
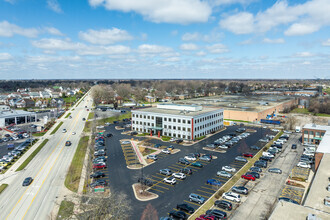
(166, 172)
(232, 196)
(189, 157)
(275, 170)
(152, 157)
(303, 165)
(242, 159)
(180, 176)
(223, 204)
(178, 215)
(288, 200)
(183, 161)
(217, 213)
(98, 182)
(228, 169)
(224, 174)
(185, 207)
(240, 190)
(247, 155)
(97, 175)
(99, 166)
(197, 164)
(213, 182)
(157, 145)
(196, 198)
(248, 177)
(264, 158)
(171, 147)
(99, 153)
(170, 180)
(256, 169)
(166, 151)
(255, 174)
(293, 146)
(205, 158)
(27, 181)
(260, 163)
(186, 171)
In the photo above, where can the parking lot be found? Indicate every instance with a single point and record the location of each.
(121, 178)
(130, 155)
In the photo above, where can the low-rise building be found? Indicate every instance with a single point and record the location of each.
(179, 121)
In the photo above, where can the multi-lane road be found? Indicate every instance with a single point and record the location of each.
(48, 169)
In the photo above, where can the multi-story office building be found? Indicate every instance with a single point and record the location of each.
(313, 133)
(179, 121)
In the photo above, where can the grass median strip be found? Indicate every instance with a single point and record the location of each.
(34, 153)
(66, 210)
(68, 115)
(73, 176)
(230, 183)
(57, 127)
(3, 187)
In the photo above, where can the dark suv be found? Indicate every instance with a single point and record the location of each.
(217, 213)
(186, 171)
(183, 161)
(185, 207)
(261, 164)
(223, 204)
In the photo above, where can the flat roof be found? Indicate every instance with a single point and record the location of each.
(317, 191)
(177, 112)
(317, 127)
(254, 103)
(288, 210)
(15, 113)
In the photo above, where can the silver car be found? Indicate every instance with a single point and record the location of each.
(224, 174)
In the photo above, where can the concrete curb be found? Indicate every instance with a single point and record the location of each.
(143, 200)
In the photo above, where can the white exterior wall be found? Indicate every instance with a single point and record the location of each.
(174, 126)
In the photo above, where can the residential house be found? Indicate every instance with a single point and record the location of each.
(3, 99)
(150, 98)
(41, 103)
(13, 101)
(55, 94)
(44, 95)
(57, 102)
(70, 93)
(25, 103)
(34, 95)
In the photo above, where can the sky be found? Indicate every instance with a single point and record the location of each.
(164, 39)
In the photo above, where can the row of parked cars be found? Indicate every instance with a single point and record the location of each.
(14, 153)
(14, 136)
(307, 158)
(227, 141)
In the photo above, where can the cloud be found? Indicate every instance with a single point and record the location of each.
(54, 6)
(8, 30)
(10, 1)
(274, 41)
(196, 36)
(303, 54)
(51, 44)
(5, 56)
(302, 18)
(200, 53)
(105, 36)
(153, 49)
(161, 11)
(241, 23)
(217, 48)
(326, 43)
(54, 31)
(188, 47)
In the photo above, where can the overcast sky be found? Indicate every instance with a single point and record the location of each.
(42, 39)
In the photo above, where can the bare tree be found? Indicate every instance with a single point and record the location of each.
(149, 213)
(123, 90)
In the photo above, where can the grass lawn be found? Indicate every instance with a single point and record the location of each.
(143, 134)
(114, 118)
(35, 152)
(237, 120)
(228, 185)
(73, 176)
(200, 138)
(66, 210)
(70, 99)
(57, 127)
(3, 187)
(301, 111)
(146, 151)
(39, 134)
(68, 115)
(322, 114)
(91, 115)
(166, 138)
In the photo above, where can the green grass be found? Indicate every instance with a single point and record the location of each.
(301, 111)
(73, 177)
(70, 99)
(166, 138)
(148, 151)
(3, 187)
(200, 138)
(66, 210)
(237, 120)
(91, 115)
(35, 152)
(142, 135)
(57, 127)
(39, 134)
(68, 115)
(227, 186)
(322, 114)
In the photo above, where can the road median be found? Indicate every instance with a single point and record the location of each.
(57, 127)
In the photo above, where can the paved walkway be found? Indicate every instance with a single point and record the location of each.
(138, 153)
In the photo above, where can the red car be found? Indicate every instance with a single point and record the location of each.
(206, 217)
(99, 166)
(248, 177)
(247, 155)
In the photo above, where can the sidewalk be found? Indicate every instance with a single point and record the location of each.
(138, 153)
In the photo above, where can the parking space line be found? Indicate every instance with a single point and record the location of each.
(181, 211)
(196, 204)
(157, 177)
(157, 190)
(205, 192)
(208, 188)
(174, 168)
(163, 187)
(207, 196)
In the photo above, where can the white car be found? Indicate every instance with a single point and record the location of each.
(232, 196)
(275, 130)
(304, 165)
(125, 142)
(173, 139)
(166, 151)
(15, 138)
(64, 130)
(25, 135)
(180, 176)
(307, 153)
(170, 180)
(223, 147)
(224, 174)
(228, 169)
(191, 158)
(73, 133)
(288, 132)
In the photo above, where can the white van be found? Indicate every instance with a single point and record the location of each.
(310, 149)
(267, 154)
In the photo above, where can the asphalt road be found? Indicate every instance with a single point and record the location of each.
(121, 178)
(48, 169)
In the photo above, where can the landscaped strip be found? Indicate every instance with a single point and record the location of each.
(91, 115)
(3, 187)
(57, 127)
(230, 183)
(27, 161)
(73, 176)
(68, 115)
(66, 210)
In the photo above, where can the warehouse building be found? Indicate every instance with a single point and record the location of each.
(180, 121)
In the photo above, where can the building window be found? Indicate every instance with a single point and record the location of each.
(305, 132)
(317, 134)
(174, 120)
(148, 123)
(305, 140)
(174, 127)
(144, 123)
(179, 128)
(144, 117)
(165, 119)
(170, 127)
(179, 120)
(311, 132)
(153, 124)
(188, 129)
(148, 117)
(140, 116)
(322, 134)
(140, 122)
(169, 119)
(188, 122)
(179, 135)
(188, 137)
(184, 136)
(184, 121)
(165, 126)
(152, 117)
(183, 129)
(165, 133)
